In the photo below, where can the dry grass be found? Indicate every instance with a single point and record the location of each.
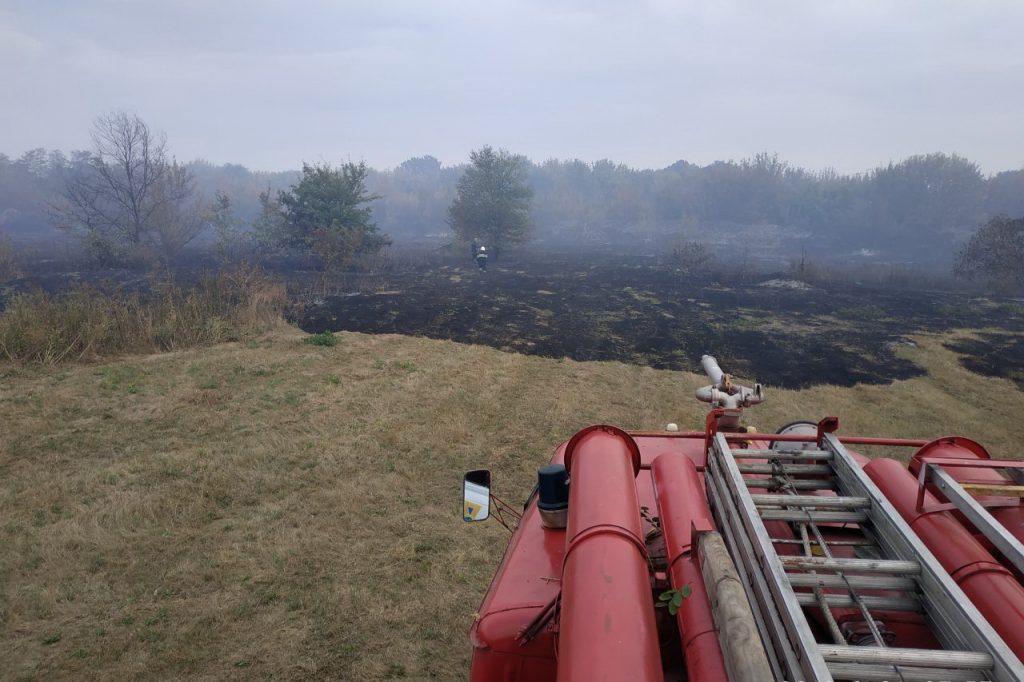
(275, 510)
(87, 323)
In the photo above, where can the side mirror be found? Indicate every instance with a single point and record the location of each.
(476, 495)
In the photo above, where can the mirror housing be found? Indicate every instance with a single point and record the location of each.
(476, 495)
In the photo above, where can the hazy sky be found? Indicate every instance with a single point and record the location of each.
(270, 83)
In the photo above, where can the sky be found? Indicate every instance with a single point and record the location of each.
(269, 84)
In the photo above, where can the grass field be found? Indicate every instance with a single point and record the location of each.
(279, 510)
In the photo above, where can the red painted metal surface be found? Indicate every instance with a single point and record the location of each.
(957, 454)
(526, 581)
(988, 584)
(682, 508)
(826, 425)
(953, 447)
(607, 627)
(528, 578)
(848, 440)
(609, 630)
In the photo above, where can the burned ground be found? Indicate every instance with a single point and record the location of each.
(994, 354)
(642, 312)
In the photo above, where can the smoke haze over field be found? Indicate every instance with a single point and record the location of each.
(269, 84)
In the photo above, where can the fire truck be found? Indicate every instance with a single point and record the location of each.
(724, 553)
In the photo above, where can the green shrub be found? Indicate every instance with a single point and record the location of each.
(322, 339)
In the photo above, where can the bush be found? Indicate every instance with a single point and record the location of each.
(85, 322)
(692, 257)
(322, 339)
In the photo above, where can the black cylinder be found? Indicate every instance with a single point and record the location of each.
(552, 487)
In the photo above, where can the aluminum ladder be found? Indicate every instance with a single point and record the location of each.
(888, 556)
(933, 470)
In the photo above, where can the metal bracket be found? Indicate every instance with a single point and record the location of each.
(827, 425)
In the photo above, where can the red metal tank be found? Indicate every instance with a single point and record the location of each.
(1009, 511)
(988, 584)
(607, 627)
(682, 506)
(515, 598)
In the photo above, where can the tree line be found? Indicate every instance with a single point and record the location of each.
(128, 202)
(925, 205)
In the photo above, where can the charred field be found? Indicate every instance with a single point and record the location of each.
(644, 312)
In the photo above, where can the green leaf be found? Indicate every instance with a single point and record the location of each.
(672, 609)
(686, 591)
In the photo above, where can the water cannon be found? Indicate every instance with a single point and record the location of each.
(726, 395)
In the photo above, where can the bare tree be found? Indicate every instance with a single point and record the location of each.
(127, 195)
(180, 214)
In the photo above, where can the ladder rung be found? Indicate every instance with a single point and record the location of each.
(815, 563)
(896, 656)
(845, 600)
(819, 501)
(865, 582)
(802, 469)
(886, 673)
(831, 543)
(783, 454)
(783, 585)
(772, 483)
(814, 516)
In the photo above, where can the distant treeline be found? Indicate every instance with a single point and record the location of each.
(925, 204)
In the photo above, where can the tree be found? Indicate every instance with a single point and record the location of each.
(326, 197)
(492, 201)
(326, 213)
(10, 259)
(336, 248)
(268, 228)
(925, 197)
(127, 195)
(227, 228)
(179, 216)
(995, 254)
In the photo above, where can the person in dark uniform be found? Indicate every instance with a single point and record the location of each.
(481, 258)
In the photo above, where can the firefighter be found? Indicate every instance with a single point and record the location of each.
(481, 258)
